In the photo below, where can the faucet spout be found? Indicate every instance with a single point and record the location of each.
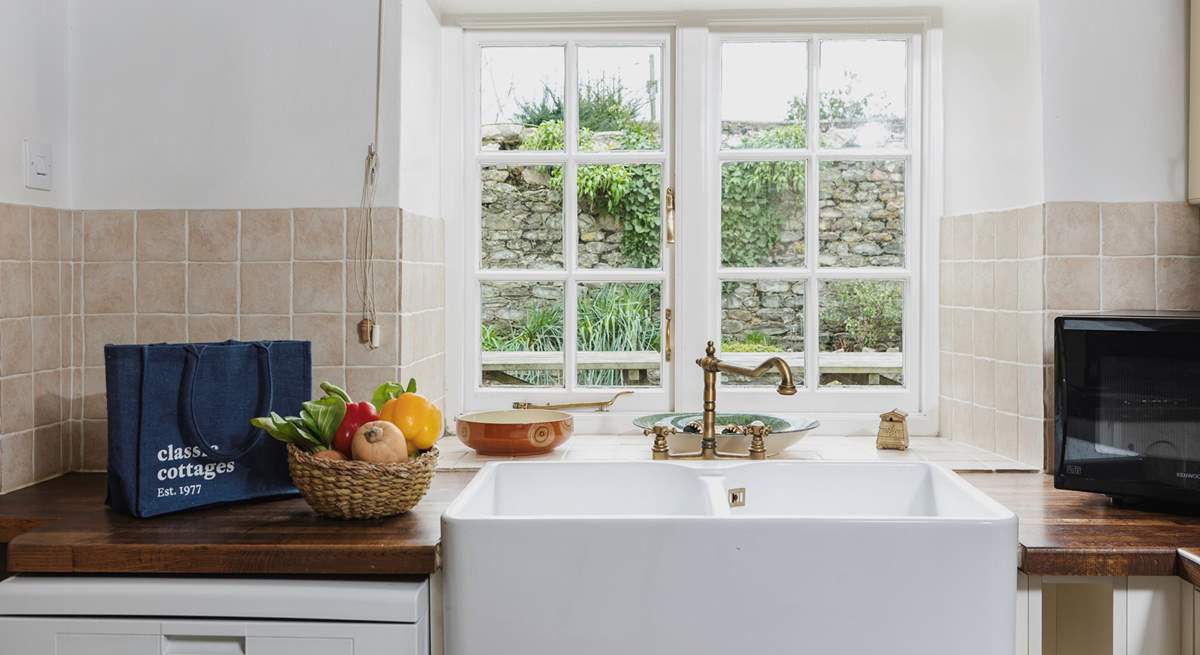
(711, 367)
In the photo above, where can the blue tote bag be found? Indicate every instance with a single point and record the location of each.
(179, 433)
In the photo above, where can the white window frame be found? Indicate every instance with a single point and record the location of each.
(477, 396)
(694, 74)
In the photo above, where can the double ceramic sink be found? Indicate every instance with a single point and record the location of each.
(719, 557)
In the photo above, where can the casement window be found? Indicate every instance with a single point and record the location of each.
(628, 196)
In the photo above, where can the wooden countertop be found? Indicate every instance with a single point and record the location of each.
(62, 526)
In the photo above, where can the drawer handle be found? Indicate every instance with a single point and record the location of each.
(198, 645)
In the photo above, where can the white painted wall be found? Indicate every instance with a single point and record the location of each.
(420, 109)
(33, 95)
(1115, 99)
(228, 103)
(993, 112)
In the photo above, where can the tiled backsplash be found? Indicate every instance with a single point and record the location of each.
(1006, 276)
(197, 275)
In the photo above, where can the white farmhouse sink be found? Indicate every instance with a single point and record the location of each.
(649, 557)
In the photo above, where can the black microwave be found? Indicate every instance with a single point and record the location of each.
(1127, 404)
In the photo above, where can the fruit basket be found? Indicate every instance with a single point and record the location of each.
(348, 489)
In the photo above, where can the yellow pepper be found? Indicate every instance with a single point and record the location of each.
(419, 419)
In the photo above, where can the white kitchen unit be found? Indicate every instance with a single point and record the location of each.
(1136, 615)
(727, 557)
(111, 615)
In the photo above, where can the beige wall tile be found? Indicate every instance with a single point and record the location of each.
(1072, 228)
(423, 238)
(361, 381)
(985, 236)
(964, 237)
(964, 378)
(162, 288)
(14, 289)
(1030, 396)
(1031, 225)
(422, 286)
(108, 236)
(161, 328)
(212, 288)
(212, 235)
(1031, 431)
(984, 394)
(1128, 228)
(14, 232)
(47, 398)
(430, 376)
(1007, 234)
(266, 288)
(945, 420)
(1030, 289)
(386, 234)
(108, 288)
(16, 460)
(1007, 437)
(266, 235)
(48, 452)
(984, 284)
(945, 372)
(325, 333)
(1006, 336)
(1178, 283)
(1073, 283)
(945, 329)
(983, 427)
(422, 335)
(385, 355)
(1006, 387)
(212, 328)
(961, 284)
(984, 327)
(66, 236)
(1178, 229)
(334, 374)
(1127, 283)
(95, 392)
(161, 235)
(1006, 284)
(95, 446)
(73, 445)
(319, 234)
(16, 399)
(46, 341)
(1029, 338)
(105, 329)
(46, 288)
(16, 347)
(964, 331)
(946, 238)
(44, 233)
(317, 287)
(945, 283)
(961, 421)
(385, 278)
(265, 328)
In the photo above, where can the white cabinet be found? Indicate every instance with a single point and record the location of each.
(171, 616)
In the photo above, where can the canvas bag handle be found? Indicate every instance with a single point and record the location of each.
(191, 430)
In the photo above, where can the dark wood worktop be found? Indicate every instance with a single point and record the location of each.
(62, 526)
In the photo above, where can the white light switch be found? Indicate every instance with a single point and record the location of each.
(39, 166)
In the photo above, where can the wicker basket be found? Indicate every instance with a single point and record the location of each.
(343, 489)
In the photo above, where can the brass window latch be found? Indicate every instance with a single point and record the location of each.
(598, 405)
(669, 339)
(670, 215)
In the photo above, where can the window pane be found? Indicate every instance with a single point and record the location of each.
(764, 95)
(619, 222)
(862, 213)
(520, 89)
(861, 332)
(619, 327)
(760, 319)
(762, 214)
(620, 98)
(521, 217)
(863, 93)
(522, 333)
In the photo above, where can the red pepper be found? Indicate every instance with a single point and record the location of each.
(356, 414)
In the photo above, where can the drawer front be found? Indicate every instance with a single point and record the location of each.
(72, 636)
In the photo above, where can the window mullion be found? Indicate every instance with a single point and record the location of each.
(570, 216)
(812, 234)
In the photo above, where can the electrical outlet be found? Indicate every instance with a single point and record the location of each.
(39, 166)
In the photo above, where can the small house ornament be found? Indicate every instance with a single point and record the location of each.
(893, 431)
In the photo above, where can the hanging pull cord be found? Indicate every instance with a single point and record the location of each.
(364, 252)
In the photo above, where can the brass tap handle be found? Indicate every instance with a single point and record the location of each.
(758, 433)
(660, 450)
